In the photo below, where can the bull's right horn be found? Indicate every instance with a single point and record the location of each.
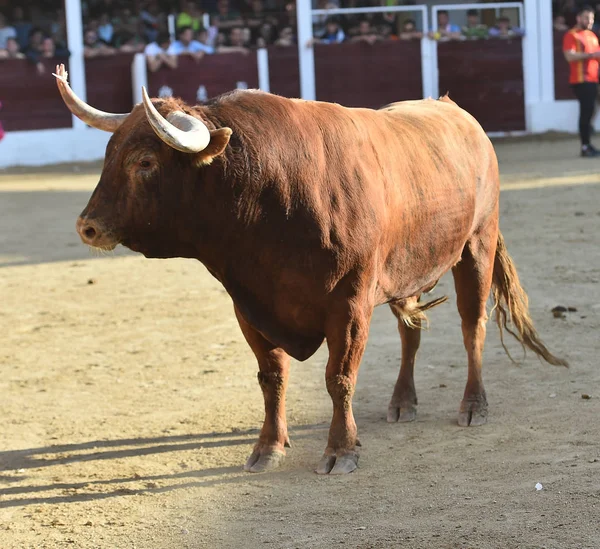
(93, 117)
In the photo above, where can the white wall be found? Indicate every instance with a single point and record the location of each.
(38, 148)
(560, 116)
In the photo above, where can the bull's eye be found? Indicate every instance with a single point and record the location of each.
(145, 164)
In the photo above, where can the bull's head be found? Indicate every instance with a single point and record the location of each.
(145, 181)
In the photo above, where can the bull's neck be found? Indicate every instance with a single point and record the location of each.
(215, 234)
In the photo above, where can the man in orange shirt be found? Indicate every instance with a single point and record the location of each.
(581, 50)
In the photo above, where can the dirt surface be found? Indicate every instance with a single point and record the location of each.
(130, 402)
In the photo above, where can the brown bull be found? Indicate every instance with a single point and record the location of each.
(310, 215)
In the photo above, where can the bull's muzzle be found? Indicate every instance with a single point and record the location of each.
(94, 234)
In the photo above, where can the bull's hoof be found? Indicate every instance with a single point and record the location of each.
(401, 414)
(264, 458)
(337, 463)
(472, 413)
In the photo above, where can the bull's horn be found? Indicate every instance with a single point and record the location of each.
(93, 117)
(179, 130)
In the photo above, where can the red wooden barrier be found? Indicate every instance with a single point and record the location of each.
(108, 82)
(217, 73)
(363, 75)
(485, 77)
(284, 71)
(355, 75)
(30, 101)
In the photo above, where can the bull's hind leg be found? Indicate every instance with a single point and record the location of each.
(403, 405)
(473, 280)
(273, 373)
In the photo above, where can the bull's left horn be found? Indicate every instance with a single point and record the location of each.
(179, 130)
(93, 117)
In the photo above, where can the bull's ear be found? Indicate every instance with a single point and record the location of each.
(218, 142)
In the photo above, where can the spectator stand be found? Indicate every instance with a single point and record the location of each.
(491, 73)
(306, 54)
(40, 130)
(191, 83)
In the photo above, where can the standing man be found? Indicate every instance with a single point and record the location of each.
(580, 47)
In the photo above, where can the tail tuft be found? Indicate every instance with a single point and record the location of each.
(413, 313)
(511, 304)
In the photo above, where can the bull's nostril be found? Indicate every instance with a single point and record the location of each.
(90, 232)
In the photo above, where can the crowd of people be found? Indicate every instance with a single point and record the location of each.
(21, 38)
(36, 29)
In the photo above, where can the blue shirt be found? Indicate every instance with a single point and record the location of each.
(177, 48)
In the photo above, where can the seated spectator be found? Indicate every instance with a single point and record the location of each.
(190, 17)
(503, 29)
(319, 22)
(386, 32)
(208, 36)
(387, 25)
(446, 30)
(133, 43)
(409, 30)
(559, 24)
(157, 53)
(286, 37)
(474, 30)
(333, 33)
(238, 37)
(105, 29)
(22, 26)
(125, 25)
(255, 16)
(152, 20)
(51, 50)
(94, 47)
(226, 18)
(366, 33)
(34, 43)
(287, 18)
(6, 32)
(46, 50)
(266, 35)
(237, 41)
(12, 50)
(186, 45)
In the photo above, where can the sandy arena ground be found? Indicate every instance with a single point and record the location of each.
(129, 398)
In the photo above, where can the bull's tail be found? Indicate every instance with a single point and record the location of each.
(511, 304)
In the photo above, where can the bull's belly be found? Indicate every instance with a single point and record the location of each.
(410, 272)
(294, 325)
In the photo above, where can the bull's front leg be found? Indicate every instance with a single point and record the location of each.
(347, 336)
(273, 374)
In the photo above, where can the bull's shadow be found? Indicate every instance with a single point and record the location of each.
(35, 458)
